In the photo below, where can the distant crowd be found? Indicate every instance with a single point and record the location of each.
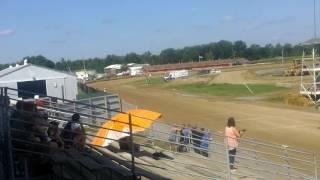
(184, 138)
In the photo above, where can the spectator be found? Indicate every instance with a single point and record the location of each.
(40, 126)
(205, 143)
(174, 136)
(232, 134)
(186, 132)
(182, 147)
(54, 135)
(22, 120)
(196, 139)
(73, 133)
(39, 102)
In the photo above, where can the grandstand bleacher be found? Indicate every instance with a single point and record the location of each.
(22, 158)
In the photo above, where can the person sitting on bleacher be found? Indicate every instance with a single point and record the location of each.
(40, 126)
(73, 133)
(22, 121)
(54, 135)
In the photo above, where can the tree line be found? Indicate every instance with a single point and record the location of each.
(211, 51)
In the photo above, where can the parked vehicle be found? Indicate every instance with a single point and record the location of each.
(176, 74)
(215, 71)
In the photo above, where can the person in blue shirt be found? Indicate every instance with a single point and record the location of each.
(205, 143)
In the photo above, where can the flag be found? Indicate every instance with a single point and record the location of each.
(200, 57)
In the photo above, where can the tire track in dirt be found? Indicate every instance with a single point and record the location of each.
(281, 125)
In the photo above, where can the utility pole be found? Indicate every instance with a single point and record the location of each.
(282, 55)
(200, 57)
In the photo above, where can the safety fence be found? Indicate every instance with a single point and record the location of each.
(199, 156)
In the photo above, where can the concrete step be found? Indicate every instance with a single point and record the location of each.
(141, 170)
(165, 169)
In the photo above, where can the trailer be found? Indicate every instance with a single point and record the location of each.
(171, 75)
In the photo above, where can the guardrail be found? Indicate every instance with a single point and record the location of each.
(261, 159)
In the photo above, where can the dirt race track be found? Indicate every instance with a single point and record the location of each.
(273, 122)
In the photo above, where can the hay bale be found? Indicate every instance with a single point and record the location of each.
(297, 100)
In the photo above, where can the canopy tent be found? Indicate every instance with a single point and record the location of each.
(118, 126)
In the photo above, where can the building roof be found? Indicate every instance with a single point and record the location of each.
(131, 64)
(11, 70)
(136, 67)
(311, 42)
(29, 72)
(114, 66)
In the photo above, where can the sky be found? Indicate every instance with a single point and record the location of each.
(75, 29)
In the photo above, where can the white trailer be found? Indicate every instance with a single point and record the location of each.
(136, 70)
(176, 74)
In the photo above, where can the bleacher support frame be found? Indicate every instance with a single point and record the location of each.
(252, 153)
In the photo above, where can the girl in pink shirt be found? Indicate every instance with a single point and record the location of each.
(231, 134)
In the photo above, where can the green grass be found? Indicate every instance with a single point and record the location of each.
(83, 95)
(228, 89)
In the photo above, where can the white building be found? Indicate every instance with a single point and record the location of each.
(39, 80)
(136, 70)
(85, 74)
(112, 70)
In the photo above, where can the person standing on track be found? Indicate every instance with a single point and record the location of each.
(232, 134)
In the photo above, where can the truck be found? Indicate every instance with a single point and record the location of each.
(171, 75)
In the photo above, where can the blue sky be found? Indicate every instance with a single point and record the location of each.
(82, 29)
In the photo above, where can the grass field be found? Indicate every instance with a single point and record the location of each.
(218, 97)
(151, 81)
(216, 89)
(228, 89)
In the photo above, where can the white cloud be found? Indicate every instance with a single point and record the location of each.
(228, 19)
(6, 32)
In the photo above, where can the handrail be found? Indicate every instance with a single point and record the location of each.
(170, 142)
(255, 151)
(40, 144)
(215, 143)
(267, 162)
(177, 143)
(275, 155)
(242, 139)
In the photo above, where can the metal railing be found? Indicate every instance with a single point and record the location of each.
(255, 158)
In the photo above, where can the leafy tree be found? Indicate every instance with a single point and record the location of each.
(209, 55)
(214, 50)
(132, 57)
(40, 60)
(239, 47)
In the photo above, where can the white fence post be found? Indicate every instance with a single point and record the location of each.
(287, 160)
(255, 151)
(315, 166)
(228, 159)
